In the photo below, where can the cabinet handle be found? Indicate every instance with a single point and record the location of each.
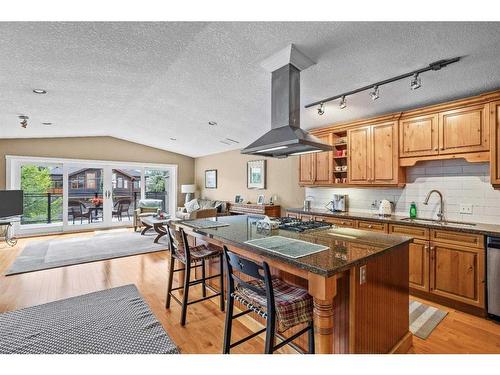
(370, 226)
(435, 148)
(342, 222)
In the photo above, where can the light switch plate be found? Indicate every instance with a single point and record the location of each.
(466, 209)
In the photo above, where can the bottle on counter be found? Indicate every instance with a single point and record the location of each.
(413, 210)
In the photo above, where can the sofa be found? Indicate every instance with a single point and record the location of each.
(200, 208)
(146, 207)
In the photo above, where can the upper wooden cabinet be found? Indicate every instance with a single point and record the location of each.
(373, 154)
(316, 168)
(323, 163)
(495, 142)
(359, 167)
(419, 136)
(306, 168)
(464, 130)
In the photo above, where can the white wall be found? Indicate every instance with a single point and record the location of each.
(458, 180)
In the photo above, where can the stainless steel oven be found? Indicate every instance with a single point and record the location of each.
(493, 277)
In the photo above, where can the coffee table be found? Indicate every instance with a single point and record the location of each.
(151, 222)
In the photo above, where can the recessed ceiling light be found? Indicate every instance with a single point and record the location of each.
(232, 140)
(225, 142)
(47, 123)
(173, 139)
(212, 123)
(39, 91)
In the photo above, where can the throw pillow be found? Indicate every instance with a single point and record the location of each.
(192, 205)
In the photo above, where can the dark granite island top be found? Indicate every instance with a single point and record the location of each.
(347, 247)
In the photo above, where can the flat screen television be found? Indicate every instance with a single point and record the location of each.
(11, 203)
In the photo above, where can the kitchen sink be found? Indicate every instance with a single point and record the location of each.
(439, 222)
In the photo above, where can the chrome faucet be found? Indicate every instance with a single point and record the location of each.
(440, 214)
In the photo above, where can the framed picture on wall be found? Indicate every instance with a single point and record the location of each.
(211, 179)
(256, 174)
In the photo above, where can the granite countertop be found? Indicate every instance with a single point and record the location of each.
(347, 247)
(478, 228)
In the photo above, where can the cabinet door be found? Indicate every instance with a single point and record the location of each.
(358, 170)
(385, 162)
(419, 265)
(324, 164)
(457, 272)
(464, 130)
(306, 168)
(418, 136)
(495, 142)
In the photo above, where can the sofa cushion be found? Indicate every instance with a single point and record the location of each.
(205, 203)
(192, 205)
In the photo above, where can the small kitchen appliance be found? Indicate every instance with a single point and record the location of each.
(339, 203)
(385, 208)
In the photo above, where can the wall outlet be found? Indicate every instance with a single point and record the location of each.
(362, 275)
(466, 209)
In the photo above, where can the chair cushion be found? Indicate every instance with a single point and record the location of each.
(197, 252)
(293, 304)
(150, 203)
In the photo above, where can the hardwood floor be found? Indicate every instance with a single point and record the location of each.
(458, 333)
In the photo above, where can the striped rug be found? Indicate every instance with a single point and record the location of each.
(424, 318)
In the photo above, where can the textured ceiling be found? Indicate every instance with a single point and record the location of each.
(148, 82)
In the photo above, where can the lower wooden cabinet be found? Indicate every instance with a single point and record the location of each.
(457, 272)
(419, 265)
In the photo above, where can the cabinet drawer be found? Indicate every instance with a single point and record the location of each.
(405, 230)
(372, 225)
(339, 222)
(458, 238)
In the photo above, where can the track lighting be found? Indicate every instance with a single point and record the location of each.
(321, 109)
(416, 82)
(24, 121)
(374, 94)
(343, 103)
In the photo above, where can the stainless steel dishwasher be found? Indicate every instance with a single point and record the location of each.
(493, 277)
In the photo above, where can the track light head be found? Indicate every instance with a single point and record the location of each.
(374, 95)
(416, 82)
(343, 103)
(23, 121)
(321, 109)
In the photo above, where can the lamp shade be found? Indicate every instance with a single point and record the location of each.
(188, 188)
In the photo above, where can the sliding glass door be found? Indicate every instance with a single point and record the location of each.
(69, 194)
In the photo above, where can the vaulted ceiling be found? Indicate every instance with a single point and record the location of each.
(150, 82)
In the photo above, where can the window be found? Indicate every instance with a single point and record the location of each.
(125, 183)
(91, 180)
(137, 184)
(120, 182)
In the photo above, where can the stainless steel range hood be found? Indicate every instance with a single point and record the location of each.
(286, 137)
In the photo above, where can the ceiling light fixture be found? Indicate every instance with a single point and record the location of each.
(343, 103)
(225, 142)
(321, 109)
(47, 123)
(415, 82)
(39, 91)
(374, 95)
(24, 121)
(212, 123)
(232, 140)
(173, 139)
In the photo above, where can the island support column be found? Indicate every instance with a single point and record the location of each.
(323, 290)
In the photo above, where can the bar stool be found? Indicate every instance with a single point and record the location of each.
(191, 258)
(271, 298)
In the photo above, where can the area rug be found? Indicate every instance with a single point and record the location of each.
(424, 318)
(112, 321)
(59, 252)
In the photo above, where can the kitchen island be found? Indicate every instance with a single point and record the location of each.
(359, 282)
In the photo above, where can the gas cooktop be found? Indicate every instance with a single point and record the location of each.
(297, 225)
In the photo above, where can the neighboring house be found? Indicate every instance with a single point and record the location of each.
(88, 182)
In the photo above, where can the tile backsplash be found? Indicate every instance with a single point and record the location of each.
(459, 181)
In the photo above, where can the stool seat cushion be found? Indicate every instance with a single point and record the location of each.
(293, 304)
(199, 252)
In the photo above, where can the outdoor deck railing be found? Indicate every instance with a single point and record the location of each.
(47, 208)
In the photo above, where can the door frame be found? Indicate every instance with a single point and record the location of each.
(13, 163)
